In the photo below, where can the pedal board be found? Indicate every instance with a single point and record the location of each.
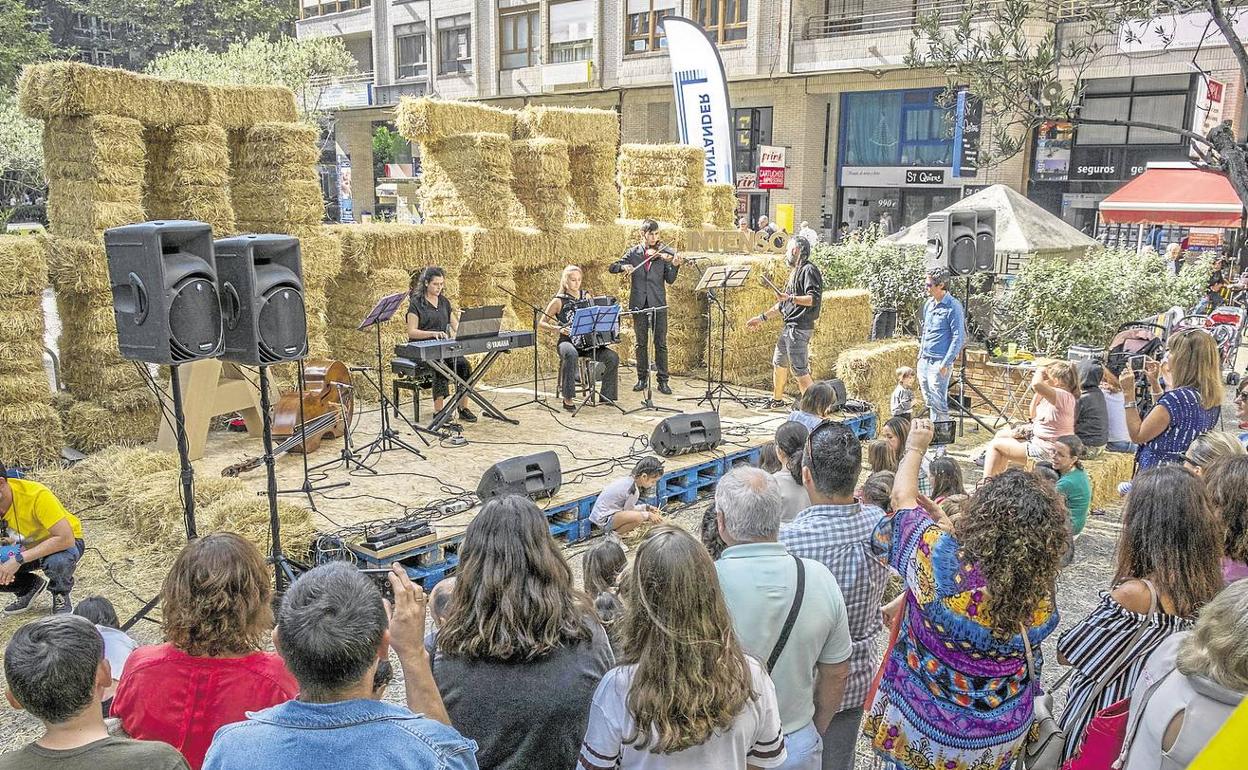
(392, 541)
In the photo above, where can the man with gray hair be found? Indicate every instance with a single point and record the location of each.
(944, 335)
(787, 612)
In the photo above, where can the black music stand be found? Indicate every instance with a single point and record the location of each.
(388, 438)
(722, 278)
(648, 401)
(308, 487)
(595, 320)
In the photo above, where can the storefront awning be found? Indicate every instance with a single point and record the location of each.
(1176, 194)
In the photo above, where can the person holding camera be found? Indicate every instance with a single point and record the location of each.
(1053, 408)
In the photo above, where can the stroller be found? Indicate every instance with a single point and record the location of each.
(1226, 324)
(1135, 338)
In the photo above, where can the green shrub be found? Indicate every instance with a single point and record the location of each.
(894, 275)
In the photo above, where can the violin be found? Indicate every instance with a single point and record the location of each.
(327, 390)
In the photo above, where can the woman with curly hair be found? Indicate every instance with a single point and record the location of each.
(957, 689)
(1226, 481)
(685, 696)
(521, 650)
(215, 612)
(1169, 565)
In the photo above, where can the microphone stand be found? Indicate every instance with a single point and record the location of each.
(308, 487)
(537, 313)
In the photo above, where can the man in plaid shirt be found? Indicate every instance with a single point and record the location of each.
(836, 530)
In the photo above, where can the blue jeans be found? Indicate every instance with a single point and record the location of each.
(1122, 447)
(57, 567)
(841, 738)
(805, 749)
(935, 387)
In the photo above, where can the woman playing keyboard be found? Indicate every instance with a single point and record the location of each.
(429, 317)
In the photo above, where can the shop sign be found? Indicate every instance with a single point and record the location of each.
(770, 178)
(1210, 101)
(1052, 156)
(747, 180)
(1204, 237)
(1174, 32)
(916, 176)
(968, 117)
(1118, 163)
(895, 176)
(770, 157)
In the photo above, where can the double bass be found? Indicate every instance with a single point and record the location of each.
(327, 390)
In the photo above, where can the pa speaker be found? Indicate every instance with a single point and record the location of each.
(951, 241)
(260, 280)
(163, 280)
(684, 433)
(985, 240)
(533, 476)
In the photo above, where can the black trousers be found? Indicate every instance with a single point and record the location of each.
(641, 326)
(442, 385)
(569, 356)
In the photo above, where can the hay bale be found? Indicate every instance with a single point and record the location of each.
(237, 107)
(84, 208)
(595, 197)
(653, 165)
(21, 318)
(407, 247)
(721, 205)
(247, 514)
(23, 265)
(869, 371)
(25, 385)
(428, 120)
(1105, 472)
(91, 481)
(77, 266)
(20, 353)
(542, 175)
(90, 427)
(844, 321)
(151, 507)
(576, 126)
(684, 206)
(188, 176)
(32, 434)
(274, 184)
(467, 180)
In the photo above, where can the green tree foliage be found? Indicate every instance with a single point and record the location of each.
(21, 151)
(155, 26)
(20, 42)
(303, 66)
(1028, 70)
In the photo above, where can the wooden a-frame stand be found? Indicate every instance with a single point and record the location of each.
(212, 387)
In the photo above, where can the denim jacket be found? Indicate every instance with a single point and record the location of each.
(361, 734)
(944, 330)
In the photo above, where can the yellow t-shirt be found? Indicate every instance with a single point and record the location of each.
(34, 510)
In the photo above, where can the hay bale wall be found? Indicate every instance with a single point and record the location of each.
(188, 176)
(31, 433)
(83, 200)
(663, 182)
(869, 371)
(541, 178)
(466, 180)
(844, 322)
(593, 138)
(721, 205)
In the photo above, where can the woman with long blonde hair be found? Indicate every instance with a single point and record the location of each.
(1190, 405)
(1054, 403)
(685, 695)
(558, 319)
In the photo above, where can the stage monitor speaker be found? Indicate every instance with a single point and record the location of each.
(260, 280)
(533, 476)
(684, 433)
(164, 282)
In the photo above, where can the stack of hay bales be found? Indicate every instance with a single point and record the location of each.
(593, 138)
(1106, 471)
(466, 160)
(542, 176)
(721, 205)
(31, 433)
(663, 182)
(188, 176)
(844, 321)
(870, 371)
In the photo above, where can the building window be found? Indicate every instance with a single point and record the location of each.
(897, 128)
(642, 30)
(723, 20)
(312, 8)
(518, 38)
(454, 44)
(410, 55)
(102, 58)
(1160, 99)
(82, 23)
(572, 31)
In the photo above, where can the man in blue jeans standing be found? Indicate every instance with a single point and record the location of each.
(944, 335)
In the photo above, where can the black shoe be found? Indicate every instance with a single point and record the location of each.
(569, 407)
(775, 403)
(665, 389)
(23, 601)
(466, 414)
(61, 605)
(640, 386)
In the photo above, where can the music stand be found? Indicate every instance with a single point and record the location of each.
(722, 278)
(648, 401)
(595, 320)
(388, 439)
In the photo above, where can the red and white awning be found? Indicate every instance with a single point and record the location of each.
(1178, 194)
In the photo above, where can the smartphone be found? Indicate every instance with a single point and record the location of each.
(379, 576)
(942, 432)
(1136, 363)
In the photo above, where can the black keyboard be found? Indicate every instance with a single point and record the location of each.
(438, 350)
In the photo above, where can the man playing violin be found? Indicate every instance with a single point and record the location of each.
(429, 317)
(651, 266)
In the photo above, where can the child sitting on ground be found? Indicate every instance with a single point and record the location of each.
(56, 670)
(815, 405)
(617, 511)
(117, 643)
(902, 402)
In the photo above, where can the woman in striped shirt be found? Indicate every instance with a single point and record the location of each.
(1169, 564)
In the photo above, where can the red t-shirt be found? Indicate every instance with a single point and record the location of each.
(167, 695)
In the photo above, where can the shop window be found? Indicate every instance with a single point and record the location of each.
(454, 44)
(723, 20)
(642, 31)
(410, 51)
(897, 128)
(518, 38)
(571, 31)
(1161, 99)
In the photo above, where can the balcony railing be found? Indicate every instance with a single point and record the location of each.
(852, 20)
(310, 9)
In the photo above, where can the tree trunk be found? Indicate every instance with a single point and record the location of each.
(1234, 156)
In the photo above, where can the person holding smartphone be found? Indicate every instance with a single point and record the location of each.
(1053, 408)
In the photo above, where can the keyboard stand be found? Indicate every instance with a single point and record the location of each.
(466, 389)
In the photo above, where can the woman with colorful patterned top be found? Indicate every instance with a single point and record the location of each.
(1191, 405)
(956, 693)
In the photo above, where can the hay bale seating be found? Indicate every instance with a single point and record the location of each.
(32, 433)
(869, 371)
(844, 322)
(1105, 472)
(663, 181)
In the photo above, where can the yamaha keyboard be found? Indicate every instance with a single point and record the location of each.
(440, 350)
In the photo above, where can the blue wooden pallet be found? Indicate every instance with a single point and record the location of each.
(864, 425)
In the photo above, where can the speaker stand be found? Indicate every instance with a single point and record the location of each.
(284, 570)
(307, 488)
(187, 480)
